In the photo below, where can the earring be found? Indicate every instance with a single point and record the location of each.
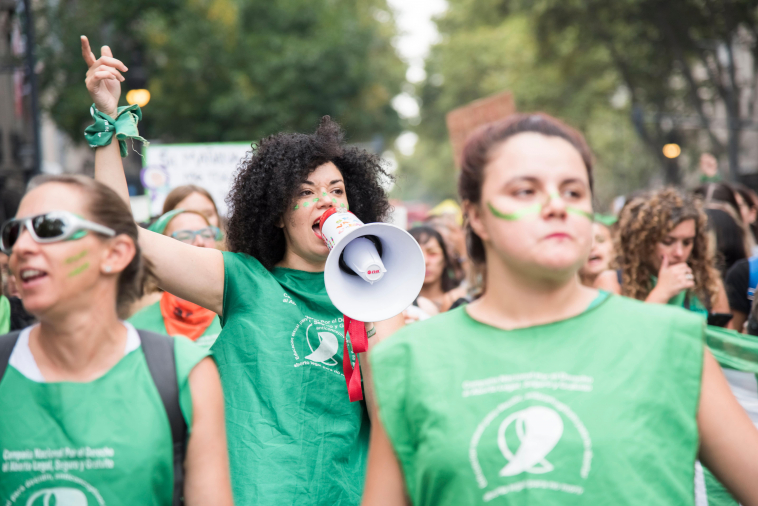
(107, 268)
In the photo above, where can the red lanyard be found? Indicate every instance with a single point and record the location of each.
(359, 343)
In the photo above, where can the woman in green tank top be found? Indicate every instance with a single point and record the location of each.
(294, 436)
(663, 254)
(81, 419)
(544, 391)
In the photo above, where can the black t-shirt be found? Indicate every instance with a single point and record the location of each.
(737, 284)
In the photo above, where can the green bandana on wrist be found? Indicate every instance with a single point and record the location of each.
(101, 132)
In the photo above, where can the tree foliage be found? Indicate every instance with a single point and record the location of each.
(486, 49)
(230, 70)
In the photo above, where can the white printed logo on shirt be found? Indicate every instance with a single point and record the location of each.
(514, 447)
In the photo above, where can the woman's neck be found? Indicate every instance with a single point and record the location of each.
(78, 345)
(293, 261)
(515, 299)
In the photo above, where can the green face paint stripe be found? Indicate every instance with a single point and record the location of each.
(76, 257)
(315, 200)
(78, 270)
(342, 205)
(323, 194)
(580, 212)
(297, 206)
(305, 204)
(334, 200)
(533, 209)
(78, 235)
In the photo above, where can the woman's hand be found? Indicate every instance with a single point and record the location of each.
(672, 279)
(103, 78)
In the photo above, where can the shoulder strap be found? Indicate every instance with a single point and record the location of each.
(7, 343)
(753, 265)
(159, 354)
(620, 277)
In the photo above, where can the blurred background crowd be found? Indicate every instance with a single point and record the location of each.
(665, 92)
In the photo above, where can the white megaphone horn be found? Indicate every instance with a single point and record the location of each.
(374, 271)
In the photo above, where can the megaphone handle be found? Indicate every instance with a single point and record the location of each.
(352, 375)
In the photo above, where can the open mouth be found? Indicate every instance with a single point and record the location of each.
(317, 228)
(595, 258)
(29, 276)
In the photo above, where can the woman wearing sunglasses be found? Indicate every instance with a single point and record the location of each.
(544, 391)
(294, 435)
(173, 315)
(81, 419)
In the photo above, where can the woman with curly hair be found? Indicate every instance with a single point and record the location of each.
(664, 255)
(294, 437)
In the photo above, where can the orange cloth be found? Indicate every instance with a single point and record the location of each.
(182, 317)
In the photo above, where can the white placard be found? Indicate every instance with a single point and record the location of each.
(210, 166)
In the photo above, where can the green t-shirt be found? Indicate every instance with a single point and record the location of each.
(151, 318)
(5, 315)
(595, 409)
(107, 441)
(294, 436)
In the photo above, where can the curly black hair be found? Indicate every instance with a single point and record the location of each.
(268, 179)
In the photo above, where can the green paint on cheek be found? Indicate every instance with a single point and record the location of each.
(527, 211)
(79, 270)
(580, 212)
(334, 200)
(323, 194)
(315, 200)
(78, 235)
(297, 206)
(76, 257)
(305, 204)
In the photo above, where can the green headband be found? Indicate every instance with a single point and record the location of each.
(159, 225)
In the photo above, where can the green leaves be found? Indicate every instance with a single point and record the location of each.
(231, 70)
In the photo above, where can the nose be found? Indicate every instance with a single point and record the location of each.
(325, 200)
(678, 249)
(554, 207)
(25, 243)
(198, 240)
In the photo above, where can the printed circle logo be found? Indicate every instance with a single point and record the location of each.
(59, 496)
(530, 441)
(57, 489)
(317, 342)
(328, 346)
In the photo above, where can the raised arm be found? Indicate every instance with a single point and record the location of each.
(194, 274)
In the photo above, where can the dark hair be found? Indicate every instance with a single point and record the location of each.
(106, 208)
(424, 234)
(730, 245)
(182, 192)
(719, 192)
(269, 178)
(481, 143)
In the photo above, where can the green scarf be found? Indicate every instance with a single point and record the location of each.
(100, 133)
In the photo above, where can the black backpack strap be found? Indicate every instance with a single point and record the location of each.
(7, 343)
(159, 354)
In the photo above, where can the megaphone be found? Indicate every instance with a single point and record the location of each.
(374, 271)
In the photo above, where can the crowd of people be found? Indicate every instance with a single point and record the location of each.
(553, 355)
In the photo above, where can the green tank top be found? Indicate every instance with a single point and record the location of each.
(105, 442)
(595, 408)
(150, 318)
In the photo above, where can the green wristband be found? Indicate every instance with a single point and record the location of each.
(101, 132)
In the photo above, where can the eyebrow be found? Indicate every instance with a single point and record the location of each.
(330, 184)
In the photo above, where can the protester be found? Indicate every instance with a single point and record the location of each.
(172, 315)
(601, 254)
(748, 202)
(663, 254)
(440, 284)
(727, 239)
(294, 437)
(193, 198)
(13, 316)
(79, 388)
(598, 396)
(722, 197)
